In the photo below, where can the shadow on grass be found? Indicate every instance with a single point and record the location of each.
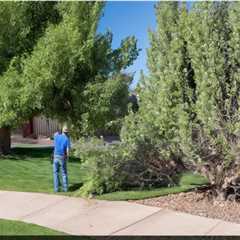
(24, 153)
(74, 187)
(73, 159)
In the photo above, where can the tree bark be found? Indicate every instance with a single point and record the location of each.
(5, 140)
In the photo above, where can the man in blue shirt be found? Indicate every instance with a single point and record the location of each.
(61, 152)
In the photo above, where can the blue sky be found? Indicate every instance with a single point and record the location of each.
(130, 18)
(126, 18)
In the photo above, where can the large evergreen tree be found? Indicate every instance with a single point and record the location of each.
(214, 141)
(165, 98)
(168, 90)
(189, 104)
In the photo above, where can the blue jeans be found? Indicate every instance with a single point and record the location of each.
(60, 161)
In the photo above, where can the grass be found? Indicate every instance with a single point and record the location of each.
(9, 227)
(188, 181)
(29, 169)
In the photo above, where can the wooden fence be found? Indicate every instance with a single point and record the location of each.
(43, 126)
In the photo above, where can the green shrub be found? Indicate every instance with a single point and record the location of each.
(150, 160)
(110, 168)
(146, 167)
(102, 164)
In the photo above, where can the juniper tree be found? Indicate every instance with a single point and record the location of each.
(190, 100)
(170, 85)
(211, 45)
(166, 95)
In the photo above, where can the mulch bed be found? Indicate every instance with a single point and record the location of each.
(197, 204)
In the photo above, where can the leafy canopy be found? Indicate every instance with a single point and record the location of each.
(68, 67)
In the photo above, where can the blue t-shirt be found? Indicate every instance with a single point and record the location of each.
(61, 144)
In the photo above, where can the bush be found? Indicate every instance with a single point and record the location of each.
(150, 161)
(146, 167)
(122, 166)
(103, 164)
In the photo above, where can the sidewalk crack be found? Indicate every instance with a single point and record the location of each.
(138, 221)
(41, 209)
(212, 228)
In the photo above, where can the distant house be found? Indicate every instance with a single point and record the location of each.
(39, 126)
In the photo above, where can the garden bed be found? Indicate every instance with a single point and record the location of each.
(197, 204)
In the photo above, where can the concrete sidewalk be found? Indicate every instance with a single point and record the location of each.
(92, 217)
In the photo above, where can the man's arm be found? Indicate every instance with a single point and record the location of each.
(68, 147)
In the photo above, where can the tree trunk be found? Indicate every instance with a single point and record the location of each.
(5, 140)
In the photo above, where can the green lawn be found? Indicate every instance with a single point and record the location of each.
(29, 169)
(9, 227)
(188, 181)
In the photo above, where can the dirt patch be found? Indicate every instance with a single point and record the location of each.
(197, 204)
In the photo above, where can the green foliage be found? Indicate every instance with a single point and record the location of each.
(189, 103)
(150, 161)
(105, 111)
(65, 62)
(103, 163)
(51, 73)
(215, 134)
(136, 162)
(10, 106)
(111, 168)
(77, 71)
(152, 134)
(22, 24)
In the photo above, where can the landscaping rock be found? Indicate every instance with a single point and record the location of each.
(197, 204)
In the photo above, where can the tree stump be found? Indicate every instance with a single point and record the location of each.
(5, 140)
